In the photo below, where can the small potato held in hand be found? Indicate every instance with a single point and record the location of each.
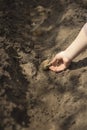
(46, 64)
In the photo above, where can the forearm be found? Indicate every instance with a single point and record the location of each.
(78, 44)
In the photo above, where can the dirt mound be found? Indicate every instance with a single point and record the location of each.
(30, 98)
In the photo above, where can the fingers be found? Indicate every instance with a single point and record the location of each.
(54, 64)
(54, 60)
(59, 63)
(57, 68)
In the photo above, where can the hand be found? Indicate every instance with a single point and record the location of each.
(59, 62)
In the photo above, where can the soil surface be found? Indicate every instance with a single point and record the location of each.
(31, 98)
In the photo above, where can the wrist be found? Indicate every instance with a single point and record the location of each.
(65, 58)
(66, 55)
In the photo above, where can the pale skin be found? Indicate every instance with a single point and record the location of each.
(62, 60)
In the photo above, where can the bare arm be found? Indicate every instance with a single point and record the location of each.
(78, 44)
(63, 59)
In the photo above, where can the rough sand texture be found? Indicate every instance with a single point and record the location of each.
(30, 98)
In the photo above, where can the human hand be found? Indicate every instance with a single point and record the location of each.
(59, 63)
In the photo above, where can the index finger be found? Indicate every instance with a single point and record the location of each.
(53, 60)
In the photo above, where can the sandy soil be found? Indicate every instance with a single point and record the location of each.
(30, 98)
